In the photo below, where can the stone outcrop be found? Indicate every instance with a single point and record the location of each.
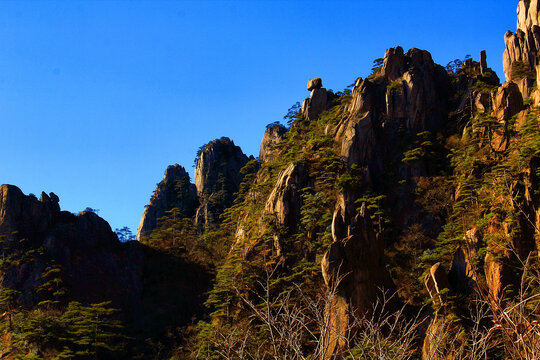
(520, 58)
(285, 202)
(317, 101)
(357, 135)
(217, 179)
(434, 340)
(174, 191)
(314, 84)
(353, 268)
(436, 281)
(419, 100)
(483, 62)
(409, 91)
(24, 217)
(507, 102)
(273, 134)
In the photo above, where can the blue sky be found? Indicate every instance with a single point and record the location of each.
(98, 97)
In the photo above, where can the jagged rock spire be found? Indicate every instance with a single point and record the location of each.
(317, 102)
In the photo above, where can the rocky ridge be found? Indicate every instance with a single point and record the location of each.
(217, 179)
(99, 266)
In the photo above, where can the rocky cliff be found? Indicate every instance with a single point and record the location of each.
(174, 191)
(273, 134)
(99, 266)
(520, 57)
(153, 291)
(217, 179)
(370, 185)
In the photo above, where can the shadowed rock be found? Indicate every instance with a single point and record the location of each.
(353, 268)
(84, 245)
(174, 191)
(436, 281)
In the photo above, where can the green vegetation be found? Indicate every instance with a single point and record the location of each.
(395, 85)
(522, 70)
(78, 332)
(376, 69)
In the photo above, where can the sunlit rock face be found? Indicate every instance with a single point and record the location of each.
(285, 202)
(272, 136)
(520, 58)
(217, 179)
(409, 91)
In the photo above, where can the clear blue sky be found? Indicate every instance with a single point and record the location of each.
(98, 97)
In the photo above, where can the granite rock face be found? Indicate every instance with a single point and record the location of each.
(520, 58)
(217, 179)
(354, 268)
(507, 102)
(174, 191)
(147, 286)
(272, 136)
(285, 201)
(436, 281)
(419, 100)
(409, 91)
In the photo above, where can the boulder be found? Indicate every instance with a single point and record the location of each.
(314, 84)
